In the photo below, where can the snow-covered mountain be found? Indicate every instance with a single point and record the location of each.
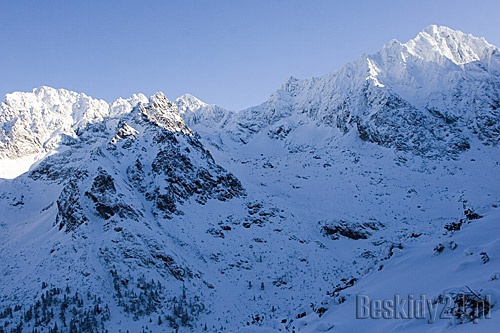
(432, 96)
(151, 215)
(38, 121)
(202, 115)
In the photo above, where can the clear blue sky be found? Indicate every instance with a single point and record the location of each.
(231, 53)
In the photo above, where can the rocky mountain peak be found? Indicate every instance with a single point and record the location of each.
(162, 112)
(432, 96)
(189, 103)
(272, 218)
(437, 43)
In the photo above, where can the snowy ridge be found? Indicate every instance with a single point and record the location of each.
(38, 121)
(433, 96)
(436, 43)
(201, 115)
(163, 113)
(189, 103)
(152, 215)
(110, 197)
(459, 262)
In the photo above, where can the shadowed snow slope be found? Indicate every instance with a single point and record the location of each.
(151, 215)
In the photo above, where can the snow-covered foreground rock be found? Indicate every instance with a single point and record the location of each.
(149, 215)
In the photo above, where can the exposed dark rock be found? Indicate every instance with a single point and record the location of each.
(69, 211)
(104, 195)
(186, 180)
(177, 271)
(351, 230)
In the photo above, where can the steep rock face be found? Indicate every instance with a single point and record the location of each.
(110, 196)
(107, 200)
(178, 177)
(163, 113)
(151, 137)
(69, 210)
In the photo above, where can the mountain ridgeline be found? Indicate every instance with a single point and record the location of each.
(147, 214)
(430, 96)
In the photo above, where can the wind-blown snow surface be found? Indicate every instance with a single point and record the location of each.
(263, 219)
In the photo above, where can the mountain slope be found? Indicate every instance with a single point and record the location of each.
(432, 96)
(109, 197)
(199, 114)
(151, 215)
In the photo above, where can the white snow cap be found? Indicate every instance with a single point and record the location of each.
(436, 43)
(188, 102)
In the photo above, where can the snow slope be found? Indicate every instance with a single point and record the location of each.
(151, 215)
(466, 265)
